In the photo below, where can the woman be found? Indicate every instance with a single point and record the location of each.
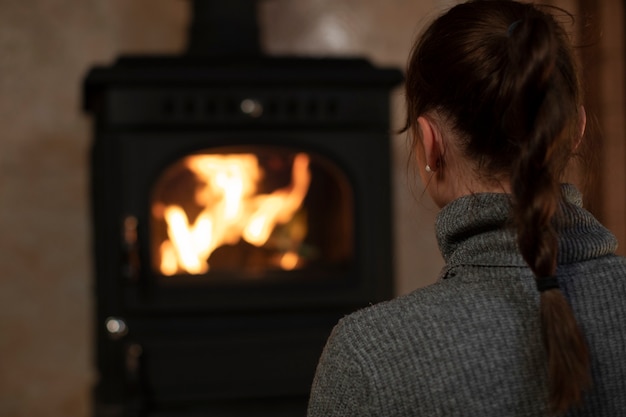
(528, 317)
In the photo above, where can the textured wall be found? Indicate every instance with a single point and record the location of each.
(46, 47)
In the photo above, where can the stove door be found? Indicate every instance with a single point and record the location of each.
(252, 220)
(250, 213)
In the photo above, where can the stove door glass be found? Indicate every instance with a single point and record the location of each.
(250, 212)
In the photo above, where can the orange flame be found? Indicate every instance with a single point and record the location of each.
(232, 210)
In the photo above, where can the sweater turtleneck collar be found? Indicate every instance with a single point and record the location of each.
(476, 230)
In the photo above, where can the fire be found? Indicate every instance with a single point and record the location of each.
(232, 210)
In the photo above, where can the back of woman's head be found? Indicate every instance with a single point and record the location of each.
(489, 66)
(502, 76)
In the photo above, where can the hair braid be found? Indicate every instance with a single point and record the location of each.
(535, 183)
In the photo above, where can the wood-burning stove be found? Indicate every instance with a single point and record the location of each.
(241, 206)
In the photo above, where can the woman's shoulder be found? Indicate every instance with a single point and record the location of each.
(475, 300)
(419, 308)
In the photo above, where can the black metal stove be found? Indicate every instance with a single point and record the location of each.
(241, 206)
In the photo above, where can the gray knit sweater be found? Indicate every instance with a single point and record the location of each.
(469, 345)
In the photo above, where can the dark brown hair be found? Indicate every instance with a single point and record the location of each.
(503, 76)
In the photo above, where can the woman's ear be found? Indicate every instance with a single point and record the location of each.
(582, 121)
(582, 125)
(432, 140)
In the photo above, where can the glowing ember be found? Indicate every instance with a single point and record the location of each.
(232, 209)
(289, 261)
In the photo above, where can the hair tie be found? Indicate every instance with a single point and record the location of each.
(547, 283)
(512, 27)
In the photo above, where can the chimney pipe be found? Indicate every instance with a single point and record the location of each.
(224, 28)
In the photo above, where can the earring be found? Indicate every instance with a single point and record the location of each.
(428, 168)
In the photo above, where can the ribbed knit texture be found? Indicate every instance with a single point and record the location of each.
(470, 344)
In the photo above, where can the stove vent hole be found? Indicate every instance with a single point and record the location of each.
(312, 108)
(210, 108)
(168, 107)
(292, 107)
(331, 108)
(190, 107)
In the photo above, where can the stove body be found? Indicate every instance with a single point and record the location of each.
(237, 327)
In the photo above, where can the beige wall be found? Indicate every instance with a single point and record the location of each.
(46, 47)
(46, 303)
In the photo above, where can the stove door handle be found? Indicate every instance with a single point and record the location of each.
(131, 265)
